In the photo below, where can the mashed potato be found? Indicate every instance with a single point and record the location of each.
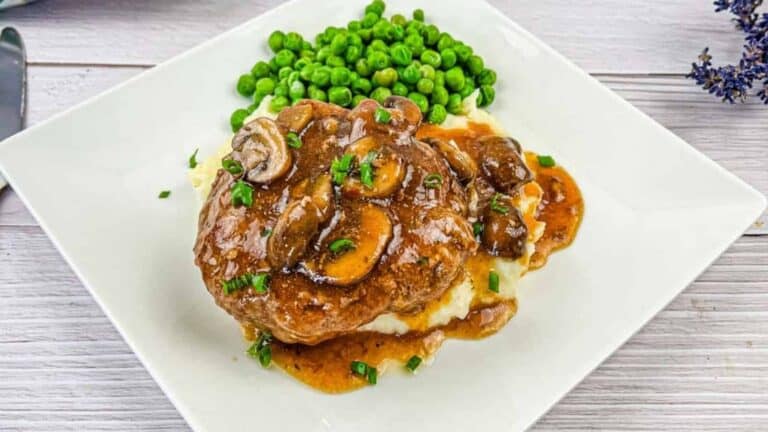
(457, 301)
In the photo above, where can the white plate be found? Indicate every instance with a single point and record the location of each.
(657, 214)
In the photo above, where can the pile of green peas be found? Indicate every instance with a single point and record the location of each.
(371, 58)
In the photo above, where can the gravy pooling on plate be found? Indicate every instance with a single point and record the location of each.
(338, 218)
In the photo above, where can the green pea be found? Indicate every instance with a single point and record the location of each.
(276, 40)
(399, 89)
(440, 79)
(237, 118)
(365, 34)
(354, 39)
(463, 52)
(454, 104)
(381, 29)
(265, 86)
(335, 61)
(305, 45)
(293, 42)
(437, 114)
(475, 65)
(281, 89)
(340, 76)
(378, 60)
(439, 95)
(363, 68)
(321, 77)
(488, 94)
(323, 54)
(431, 35)
(431, 58)
(354, 26)
(398, 19)
(257, 98)
(251, 108)
(381, 94)
(454, 78)
(300, 63)
(487, 77)
(353, 53)
(415, 42)
(273, 67)
(246, 85)
(340, 96)
(356, 99)
(420, 100)
(278, 103)
(445, 42)
(369, 20)
(448, 57)
(418, 15)
(296, 90)
(362, 85)
(425, 86)
(411, 74)
(353, 76)
(339, 43)
(260, 70)
(385, 77)
(330, 33)
(284, 72)
(467, 89)
(285, 58)
(306, 72)
(376, 6)
(427, 71)
(378, 45)
(400, 54)
(396, 33)
(414, 27)
(308, 55)
(316, 93)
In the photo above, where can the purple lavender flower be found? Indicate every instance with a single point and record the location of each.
(731, 83)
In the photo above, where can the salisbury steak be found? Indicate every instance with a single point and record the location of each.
(347, 213)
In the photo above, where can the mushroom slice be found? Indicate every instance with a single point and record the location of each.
(388, 170)
(365, 243)
(410, 111)
(459, 160)
(505, 233)
(321, 192)
(296, 117)
(261, 149)
(503, 164)
(293, 232)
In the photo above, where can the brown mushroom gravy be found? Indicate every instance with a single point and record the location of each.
(341, 249)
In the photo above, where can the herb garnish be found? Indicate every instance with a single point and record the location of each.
(242, 194)
(164, 194)
(493, 281)
(261, 349)
(341, 167)
(382, 116)
(546, 161)
(433, 181)
(497, 206)
(413, 363)
(266, 232)
(193, 159)
(259, 282)
(478, 228)
(366, 169)
(339, 246)
(293, 140)
(364, 370)
(232, 166)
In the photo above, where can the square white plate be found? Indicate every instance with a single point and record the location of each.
(657, 214)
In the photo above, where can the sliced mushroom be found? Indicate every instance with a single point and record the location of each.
(296, 117)
(410, 111)
(261, 149)
(293, 232)
(388, 170)
(369, 237)
(503, 164)
(321, 192)
(459, 160)
(505, 232)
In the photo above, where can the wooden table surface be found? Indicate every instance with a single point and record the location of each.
(701, 364)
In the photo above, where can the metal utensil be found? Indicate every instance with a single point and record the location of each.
(13, 83)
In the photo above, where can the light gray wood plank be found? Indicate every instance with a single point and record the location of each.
(599, 35)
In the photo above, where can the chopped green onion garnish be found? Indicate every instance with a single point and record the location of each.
(546, 161)
(493, 281)
(258, 281)
(261, 349)
(341, 167)
(413, 363)
(341, 245)
(359, 368)
(372, 375)
(232, 166)
(242, 194)
(382, 116)
(498, 207)
(266, 232)
(164, 194)
(293, 140)
(433, 181)
(366, 169)
(193, 159)
(478, 228)
(422, 260)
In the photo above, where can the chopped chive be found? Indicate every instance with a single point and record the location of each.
(413, 363)
(258, 281)
(433, 181)
(493, 281)
(359, 368)
(366, 170)
(242, 194)
(422, 260)
(265, 356)
(382, 116)
(164, 194)
(498, 207)
(193, 159)
(293, 140)
(341, 167)
(266, 232)
(478, 228)
(261, 349)
(341, 245)
(232, 166)
(372, 375)
(546, 161)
